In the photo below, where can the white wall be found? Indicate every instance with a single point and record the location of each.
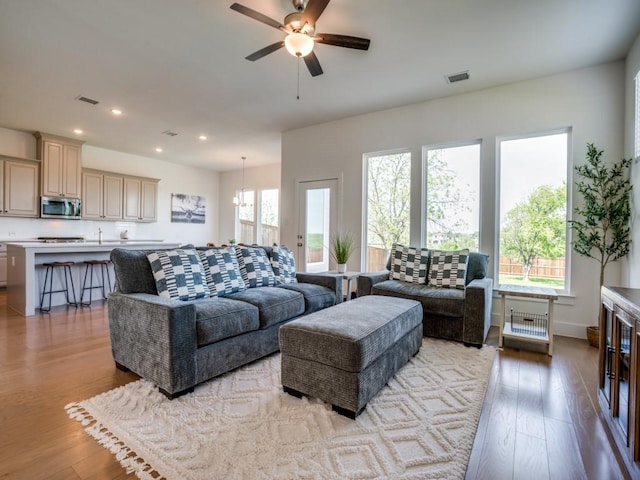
(256, 178)
(591, 101)
(174, 178)
(632, 264)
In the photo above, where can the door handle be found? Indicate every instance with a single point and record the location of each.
(299, 244)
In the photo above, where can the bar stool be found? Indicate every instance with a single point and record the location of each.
(104, 266)
(66, 269)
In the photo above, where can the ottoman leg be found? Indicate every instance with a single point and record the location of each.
(293, 392)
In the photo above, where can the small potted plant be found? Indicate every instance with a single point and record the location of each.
(342, 246)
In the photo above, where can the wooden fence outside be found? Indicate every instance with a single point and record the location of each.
(377, 258)
(541, 268)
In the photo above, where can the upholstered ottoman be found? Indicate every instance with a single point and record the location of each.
(345, 354)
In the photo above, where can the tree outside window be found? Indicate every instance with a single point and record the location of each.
(533, 210)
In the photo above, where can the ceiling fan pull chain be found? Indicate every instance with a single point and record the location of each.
(298, 93)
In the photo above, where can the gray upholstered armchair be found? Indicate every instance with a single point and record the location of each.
(463, 315)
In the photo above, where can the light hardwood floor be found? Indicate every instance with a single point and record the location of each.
(539, 420)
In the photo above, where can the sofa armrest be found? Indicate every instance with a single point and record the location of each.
(154, 337)
(366, 281)
(477, 311)
(332, 282)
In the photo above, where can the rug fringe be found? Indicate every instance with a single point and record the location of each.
(129, 460)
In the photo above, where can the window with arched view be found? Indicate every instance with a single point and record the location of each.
(452, 197)
(533, 210)
(388, 190)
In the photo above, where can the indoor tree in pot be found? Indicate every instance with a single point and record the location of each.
(342, 246)
(604, 231)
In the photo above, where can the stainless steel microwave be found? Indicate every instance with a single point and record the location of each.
(60, 207)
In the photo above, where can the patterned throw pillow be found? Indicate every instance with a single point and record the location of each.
(255, 267)
(409, 264)
(178, 274)
(221, 270)
(283, 264)
(448, 269)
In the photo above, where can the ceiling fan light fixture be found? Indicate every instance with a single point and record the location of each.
(298, 44)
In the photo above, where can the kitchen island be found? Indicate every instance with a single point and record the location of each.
(25, 273)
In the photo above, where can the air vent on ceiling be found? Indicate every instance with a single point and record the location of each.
(87, 100)
(457, 77)
(170, 133)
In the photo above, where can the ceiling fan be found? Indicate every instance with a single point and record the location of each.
(300, 27)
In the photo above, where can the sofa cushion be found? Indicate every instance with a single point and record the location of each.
(133, 271)
(221, 271)
(275, 304)
(448, 268)
(316, 297)
(220, 318)
(255, 267)
(409, 264)
(437, 301)
(477, 266)
(283, 263)
(178, 274)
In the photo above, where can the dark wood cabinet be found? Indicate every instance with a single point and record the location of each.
(619, 386)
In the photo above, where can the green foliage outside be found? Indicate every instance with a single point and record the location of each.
(539, 281)
(314, 241)
(389, 179)
(445, 204)
(535, 227)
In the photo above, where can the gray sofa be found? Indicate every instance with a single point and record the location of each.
(179, 344)
(454, 314)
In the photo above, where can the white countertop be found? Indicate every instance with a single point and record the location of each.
(89, 246)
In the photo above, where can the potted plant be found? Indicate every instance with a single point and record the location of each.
(604, 231)
(342, 246)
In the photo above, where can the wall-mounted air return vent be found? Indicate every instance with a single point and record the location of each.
(170, 133)
(87, 100)
(457, 77)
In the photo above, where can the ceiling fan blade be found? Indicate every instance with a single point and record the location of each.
(342, 41)
(313, 10)
(313, 64)
(258, 16)
(265, 51)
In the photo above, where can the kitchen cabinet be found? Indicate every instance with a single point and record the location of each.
(102, 195)
(19, 183)
(140, 199)
(619, 360)
(61, 165)
(3, 265)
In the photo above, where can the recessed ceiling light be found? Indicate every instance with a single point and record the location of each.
(116, 111)
(159, 150)
(78, 131)
(202, 137)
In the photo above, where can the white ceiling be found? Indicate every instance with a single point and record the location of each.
(179, 65)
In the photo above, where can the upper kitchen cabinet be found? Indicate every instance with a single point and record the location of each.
(61, 165)
(140, 199)
(19, 184)
(101, 195)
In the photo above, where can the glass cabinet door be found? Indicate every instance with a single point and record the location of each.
(607, 378)
(622, 365)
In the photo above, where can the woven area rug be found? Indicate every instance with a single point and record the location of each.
(243, 426)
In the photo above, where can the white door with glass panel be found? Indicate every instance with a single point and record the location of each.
(318, 219)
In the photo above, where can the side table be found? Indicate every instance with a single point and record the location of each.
(523, 291)
(348, 276)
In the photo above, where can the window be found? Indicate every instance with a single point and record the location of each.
(451, 217)
(533, 210)
(267, 231)
(387, 189)
(637, 119)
